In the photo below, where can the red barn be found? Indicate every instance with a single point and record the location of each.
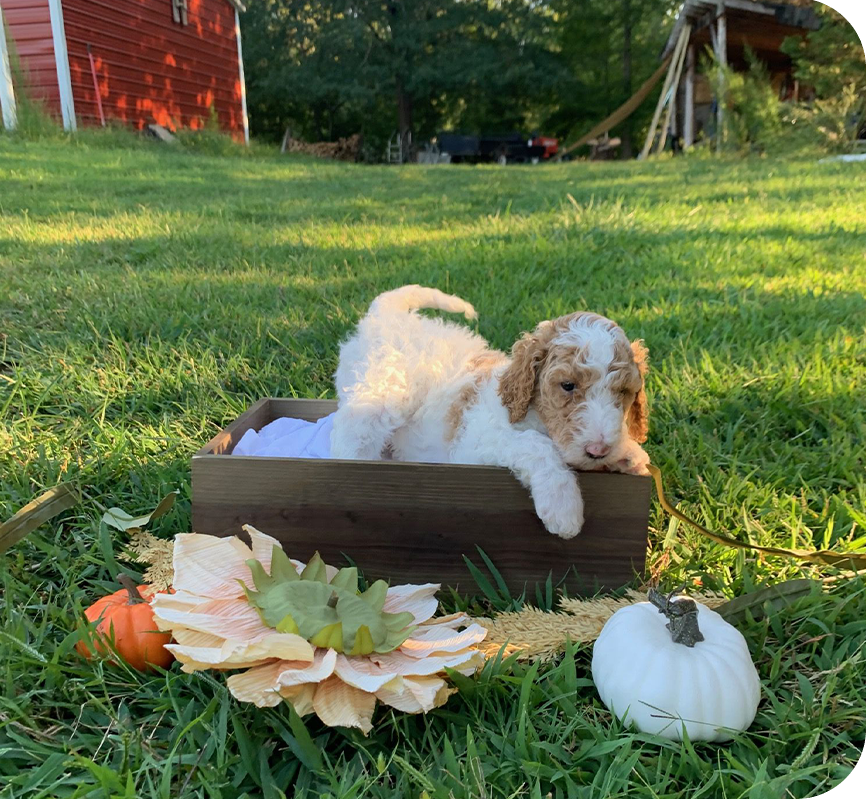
(171, 62)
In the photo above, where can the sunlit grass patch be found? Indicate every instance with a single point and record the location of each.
(148, 296)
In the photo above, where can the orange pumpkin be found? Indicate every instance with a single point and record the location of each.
(124, 618)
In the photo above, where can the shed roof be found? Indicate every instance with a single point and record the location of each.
(761, 23)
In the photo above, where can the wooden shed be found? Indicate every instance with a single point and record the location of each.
(170, 62)
(728, 28)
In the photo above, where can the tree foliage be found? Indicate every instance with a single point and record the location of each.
(831, 60)
(609, 49)
(330, 68)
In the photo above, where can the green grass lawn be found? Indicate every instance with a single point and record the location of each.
(148, 296)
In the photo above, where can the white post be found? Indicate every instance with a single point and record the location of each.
(61, 60)
(667, 83)
(673, 95)
(673, 124)
(241, 79)
(689, 92)
(7, 91)
(721, 57)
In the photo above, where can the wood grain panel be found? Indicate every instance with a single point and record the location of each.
(414, 522)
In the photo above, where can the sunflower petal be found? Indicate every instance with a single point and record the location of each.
(261, 546)
(229, 618)
(417, 599)
(427, 640)
(397, 694)
(200, 639)
(399, 663)
(240, 653)
(338, 704)
(193, 666)
(360, 672)
(258, 685)
(415, 693)
(300, 696)
(180, 598)
(210, 566)
(279, 679)
(454, 620)
(430, 691)
(181, 601)
(475, 660)
(320, 669)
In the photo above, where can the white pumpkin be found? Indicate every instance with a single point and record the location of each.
(668, 677)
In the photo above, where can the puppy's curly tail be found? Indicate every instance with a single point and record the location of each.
(413, 296)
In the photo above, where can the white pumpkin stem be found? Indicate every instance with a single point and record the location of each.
(683, 617)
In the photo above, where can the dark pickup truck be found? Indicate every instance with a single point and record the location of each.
(507, 149)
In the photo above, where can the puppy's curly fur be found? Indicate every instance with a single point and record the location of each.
(572, 395)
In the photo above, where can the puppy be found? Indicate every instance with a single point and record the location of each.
(572, 396)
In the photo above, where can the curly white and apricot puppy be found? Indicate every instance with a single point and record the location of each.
(571, 396)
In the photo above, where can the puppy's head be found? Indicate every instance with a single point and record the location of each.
(585, 380)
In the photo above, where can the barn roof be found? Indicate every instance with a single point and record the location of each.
(763, 21)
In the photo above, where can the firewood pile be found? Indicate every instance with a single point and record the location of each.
(346, 149)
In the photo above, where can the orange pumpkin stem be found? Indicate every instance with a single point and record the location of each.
(130, 586)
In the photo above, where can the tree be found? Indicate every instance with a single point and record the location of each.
(627, 74)
(333, 67)
(308, 67)
(831, 60)
(609, 49)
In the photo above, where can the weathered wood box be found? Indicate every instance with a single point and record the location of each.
(413, 522)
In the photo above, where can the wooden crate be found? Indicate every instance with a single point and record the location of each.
(410, 522)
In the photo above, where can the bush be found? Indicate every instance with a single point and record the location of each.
(833, 123)
(757, 121)
(209, 143)
(754, 114)
(33, 122)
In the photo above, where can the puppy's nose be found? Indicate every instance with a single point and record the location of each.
(597, 450)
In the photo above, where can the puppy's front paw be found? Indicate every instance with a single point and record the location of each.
(560, 506)
(634, 461)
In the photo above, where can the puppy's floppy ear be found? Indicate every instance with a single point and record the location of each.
(517, 383)
(637, 414)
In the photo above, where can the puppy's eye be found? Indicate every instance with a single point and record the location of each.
(568, 386)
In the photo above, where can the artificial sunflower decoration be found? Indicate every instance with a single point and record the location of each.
(306, 634)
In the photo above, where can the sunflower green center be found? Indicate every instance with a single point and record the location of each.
(328, 614)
